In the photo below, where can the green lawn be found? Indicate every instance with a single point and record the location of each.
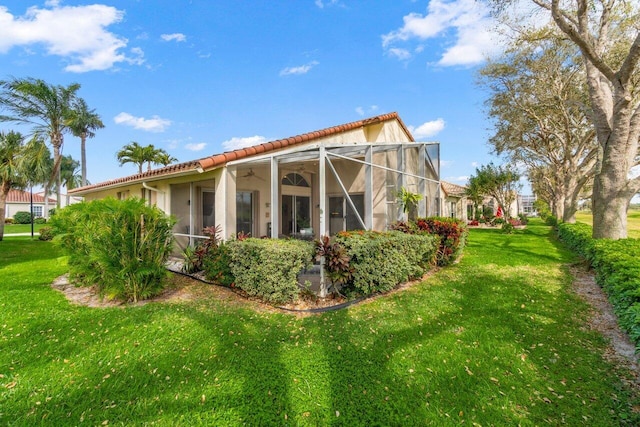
(22, 228)
(497, 339)
(633, 221)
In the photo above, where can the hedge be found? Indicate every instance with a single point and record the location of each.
(382, 260)
(269, 268)
(617, 267)
(453, 235)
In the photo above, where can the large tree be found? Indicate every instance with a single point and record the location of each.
(139, 155)
(608, 37)
(539, 103)
(42, 106)
(500, 182)
(21, 163)
(83, 123)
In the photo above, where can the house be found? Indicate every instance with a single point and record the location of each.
(318, 183)
(454, 201)
(20, 201)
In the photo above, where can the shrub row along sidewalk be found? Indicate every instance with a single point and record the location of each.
(617, 267)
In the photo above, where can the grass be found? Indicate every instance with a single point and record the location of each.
(633, 221)
(497, 339)
(22, 228)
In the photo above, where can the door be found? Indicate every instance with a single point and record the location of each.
(296, 214)
(341, 214)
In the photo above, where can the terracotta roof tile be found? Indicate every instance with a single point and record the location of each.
(453, 189)
(19, 196)
(218, 160)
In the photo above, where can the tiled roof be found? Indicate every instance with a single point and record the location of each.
(453, 189)
(19, 196)
(218, 160)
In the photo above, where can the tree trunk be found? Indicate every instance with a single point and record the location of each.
(610, 206)
(83, 158)
(4, 190)
(56, 170)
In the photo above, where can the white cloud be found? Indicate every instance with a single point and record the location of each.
(321, 4)
(366, 110)
(427, 129)
(446, 163)
(77, 33)
(195, 147)
(236, 143)
(468, 20)
(302, 69)
(178, 37)
(475, 164)
(154, 124)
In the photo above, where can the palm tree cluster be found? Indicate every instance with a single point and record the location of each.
(50, 111)
(139, 155)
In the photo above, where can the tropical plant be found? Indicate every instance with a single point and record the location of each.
(409, 202)
(139, 155)
(20, 163)
(119, 245)
(83, 123)
(336, 262)
(43, 106)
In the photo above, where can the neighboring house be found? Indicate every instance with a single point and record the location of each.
(20, 201)
(318, 183)
(526, 205)
(454, 201)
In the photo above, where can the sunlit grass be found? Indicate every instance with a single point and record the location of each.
(497, 339)
(22, 228)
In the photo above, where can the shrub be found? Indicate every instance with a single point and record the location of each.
(217, 265)
(380, 261)
(40, 220)
(507, 227)
(46, 233)
(337, 262)
(524, 220)
(8, 220)
(119, 245)
(617, 268)
(453, 236)
(269, 268)
(473, 223)
(551, 220)
(22, 217)
(193, 256)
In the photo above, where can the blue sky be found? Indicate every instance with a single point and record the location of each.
(200, 77)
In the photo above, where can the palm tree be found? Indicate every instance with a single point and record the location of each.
(45, 107)
(163, 158)
(83, 122)
(139, 155)
(20, 164)
(133, 153)
(69, 174)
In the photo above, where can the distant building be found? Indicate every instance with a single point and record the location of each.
(20, 201)
(526, 205)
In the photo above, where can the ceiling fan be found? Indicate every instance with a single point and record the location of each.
(251, 174)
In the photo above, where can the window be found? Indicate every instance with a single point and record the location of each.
(453, 209)
(244, 212)
(294, 179)
(208, 208)
(37, 211)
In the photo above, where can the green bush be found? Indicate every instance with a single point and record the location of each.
(22, 217)
(617, 267)
(40, 220)
(119, 245)
(269, 268)
(381, 261)
(217, 265)
(46, 233)
(507, 228)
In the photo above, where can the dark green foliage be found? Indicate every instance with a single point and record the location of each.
(119, 245)
(40, 220)
(551, 220)
(46, 233)
(381, 261)
(269, 268)
(617, 266)
(217, 265)
(22, 217)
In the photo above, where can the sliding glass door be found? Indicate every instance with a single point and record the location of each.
(296, 214)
